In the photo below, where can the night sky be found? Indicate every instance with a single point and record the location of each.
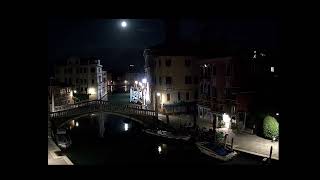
(118, 47)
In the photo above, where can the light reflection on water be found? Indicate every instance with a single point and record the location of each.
(107, 141)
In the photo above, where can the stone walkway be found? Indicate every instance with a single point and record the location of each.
(53, 159)
(241, 141)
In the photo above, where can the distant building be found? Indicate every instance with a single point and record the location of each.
(85, 76)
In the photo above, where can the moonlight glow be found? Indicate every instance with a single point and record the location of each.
(124, 24)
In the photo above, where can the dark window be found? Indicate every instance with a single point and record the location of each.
(160, 80)
(155, 80)
(168, 97)
(81, 81)
(187, 96)
(70, 70)
(80, 70)
(209, 90)
(77, 70)
(70, 82)
(65, 80)
(65, 70)
(214, 92)
(168, 62)
(100, 80)
(228, 69)
(179, 96)
(84, 70)
(85, 89)
(187, 62)
(201, 88)
(196, 95)
(104, 79)
(85, 81)
(168, 80)
(159, 62)
(81, 89)
(93, 70)
(188, 80)
(77, 81)
(196, 80)
(57, 71)
(214, 70)
(92, 81)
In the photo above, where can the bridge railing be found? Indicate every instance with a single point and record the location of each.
(99, 105)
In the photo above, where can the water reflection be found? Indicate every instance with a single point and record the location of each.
(101, 120)
(115, 139)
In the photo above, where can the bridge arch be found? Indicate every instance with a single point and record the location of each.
(133, 112)
(66, 121)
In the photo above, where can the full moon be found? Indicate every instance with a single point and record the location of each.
(124, 24)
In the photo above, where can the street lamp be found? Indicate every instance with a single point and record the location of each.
(144, 80)
(156, 104)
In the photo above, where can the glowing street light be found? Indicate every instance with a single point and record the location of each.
(158, 94)
(126, 127)
(277, 114)
(136, 82)
(74, 91)
(77, 124)
(159, 149)
(144, 80)
(226, 119)
(125, 81)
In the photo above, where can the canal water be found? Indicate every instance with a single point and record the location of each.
(104, 139)
(113, 139)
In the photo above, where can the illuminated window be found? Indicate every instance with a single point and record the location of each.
(272, 69)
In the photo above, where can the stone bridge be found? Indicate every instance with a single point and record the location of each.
(133, 112)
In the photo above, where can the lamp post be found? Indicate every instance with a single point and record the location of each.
(156, 105)
(52, 94)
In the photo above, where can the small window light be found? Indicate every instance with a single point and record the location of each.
(272, 69)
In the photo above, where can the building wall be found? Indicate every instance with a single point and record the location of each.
(81, 78)
(178, 71)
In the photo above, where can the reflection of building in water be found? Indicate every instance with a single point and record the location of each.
(101, 120)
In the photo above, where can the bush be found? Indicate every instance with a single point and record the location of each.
(270, 127)
(219, 137)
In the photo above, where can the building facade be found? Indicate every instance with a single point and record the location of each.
(219, 81)
(85, 76)
(230, 85)
(59, 96)
(174, 78)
